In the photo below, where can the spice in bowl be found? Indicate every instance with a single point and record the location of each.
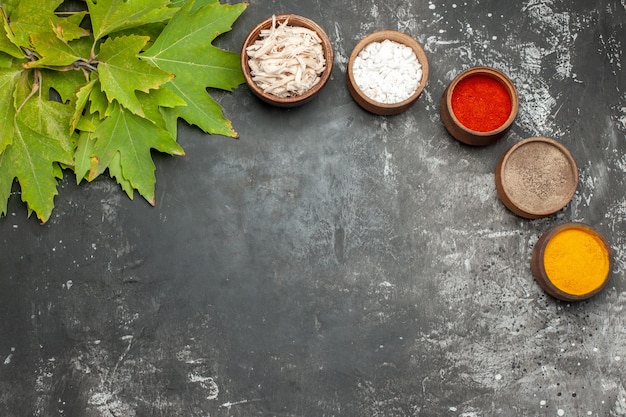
(571, 262)
(387, 72)
(536, 177)
(479, 106)
(481, 103)
(286, 60)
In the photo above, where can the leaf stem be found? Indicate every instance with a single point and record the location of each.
(36, 88)
(90, 65)
(92, 54)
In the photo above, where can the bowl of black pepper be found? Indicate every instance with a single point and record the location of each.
(387, 72)
(286, 60)
(536, 177)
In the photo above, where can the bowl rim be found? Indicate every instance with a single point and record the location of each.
(504, 191)
(493, 73)
(400, 37)
(295, 20)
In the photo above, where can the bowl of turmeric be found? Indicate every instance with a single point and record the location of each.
(571, 261)
(479, 106)
(286, 60)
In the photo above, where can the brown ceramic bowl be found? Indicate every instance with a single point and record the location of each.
(572, 286)
(293, 20)
(374, 106)
(536, 177)
(464, 134)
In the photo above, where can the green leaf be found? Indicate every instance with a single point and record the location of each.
(186, 45)
(122, 73)
(23, 9)
(6, 183)
(82, 98)
(185, 49)
(63, 82)
(201, 110)
(151, 30)
(38, 17)
(69, 29)
(6, 61)
(52, 51)
(110, 16)
(154, 103)
(84, 151)
(178, 3)
(31, 17)
(23, 88)
(6, 45)
(57, 169)
(40, 140)
(8, 82)
(9, 6)
(132, 137)
(195, 4)
(98, 103)
(92, 99)
(116, 171)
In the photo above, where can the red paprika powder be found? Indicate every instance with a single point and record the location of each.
(481, 103)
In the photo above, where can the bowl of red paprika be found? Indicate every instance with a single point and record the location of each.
(479, 106)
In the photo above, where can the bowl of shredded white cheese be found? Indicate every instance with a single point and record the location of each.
(286, 60)
(387, 71)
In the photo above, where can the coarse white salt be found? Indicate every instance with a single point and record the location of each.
(387, 72)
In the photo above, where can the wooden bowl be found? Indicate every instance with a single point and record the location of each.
(374, 106)
(536, 177)
(293, 20)
(467, 135)
(582, 283)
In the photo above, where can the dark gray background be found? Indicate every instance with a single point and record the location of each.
(331, 262)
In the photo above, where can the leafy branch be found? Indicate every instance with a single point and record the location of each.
(96, 90)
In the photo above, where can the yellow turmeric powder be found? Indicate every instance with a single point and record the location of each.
(576, 261)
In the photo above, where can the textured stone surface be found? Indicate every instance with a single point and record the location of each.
(331, 262)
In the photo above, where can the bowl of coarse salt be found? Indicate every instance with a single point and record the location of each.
(387, 72)
(286, 60)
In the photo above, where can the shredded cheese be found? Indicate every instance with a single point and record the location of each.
(286, 60)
